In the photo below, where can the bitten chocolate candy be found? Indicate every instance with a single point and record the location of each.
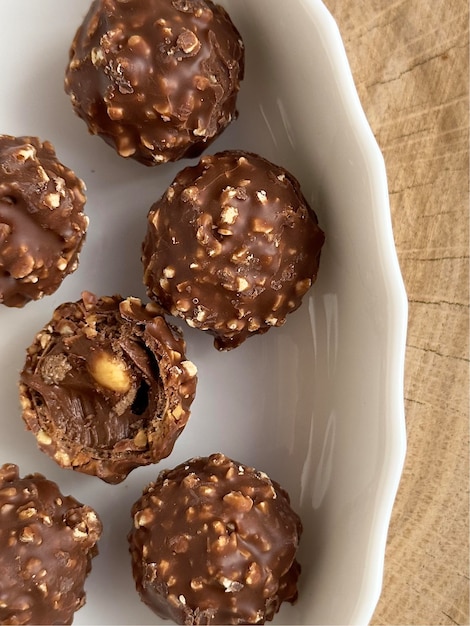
(156, 79)
(106, 386)
(232, 246)
(215, 542)
(42, 225)
(47, 542)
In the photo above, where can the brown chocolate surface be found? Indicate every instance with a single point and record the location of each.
(232, 246)
(47, 542)
(42, 225)
(156, 79)
(106, 386)
(214, 542)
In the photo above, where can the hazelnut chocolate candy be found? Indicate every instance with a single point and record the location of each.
(156, 79)
(215, 542)
(42, 225)
(47, 542)
(106, 386)
(232, 246)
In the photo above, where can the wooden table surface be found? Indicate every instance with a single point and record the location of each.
(409, 59)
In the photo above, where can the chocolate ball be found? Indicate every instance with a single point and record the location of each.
(47, 542)
(232, 246)
(106, 386)
(156, 79)
(215, 542)
(42, 225)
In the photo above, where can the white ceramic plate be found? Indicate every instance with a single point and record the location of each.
(317, 403)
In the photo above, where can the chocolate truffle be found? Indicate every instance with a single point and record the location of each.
(47, 542)
(106, 386)
(232, 246)
(215, 542)
(42, 225)
(156, 79)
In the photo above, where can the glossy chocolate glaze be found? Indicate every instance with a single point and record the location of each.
(106, 386)
(156, 79)
(47, 542)
(214, 542)
(42, 225)
(232, 246)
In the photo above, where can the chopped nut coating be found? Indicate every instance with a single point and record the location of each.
(47, 542)
(42, 224)
(214, 542)
(231, 242)
(156, 79)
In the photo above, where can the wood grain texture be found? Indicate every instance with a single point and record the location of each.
(409, 59)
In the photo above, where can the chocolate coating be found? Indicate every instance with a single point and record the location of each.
(156, 79)
(106, 386)
(232, 246)
(42, 225)
(47, 542)
(214, 542)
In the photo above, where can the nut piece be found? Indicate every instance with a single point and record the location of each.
(109, 371)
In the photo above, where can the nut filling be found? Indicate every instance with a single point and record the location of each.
(232, 246)
(106, 386)
(42, 224)
(47, 542)
(214, 542)
(156, 79)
